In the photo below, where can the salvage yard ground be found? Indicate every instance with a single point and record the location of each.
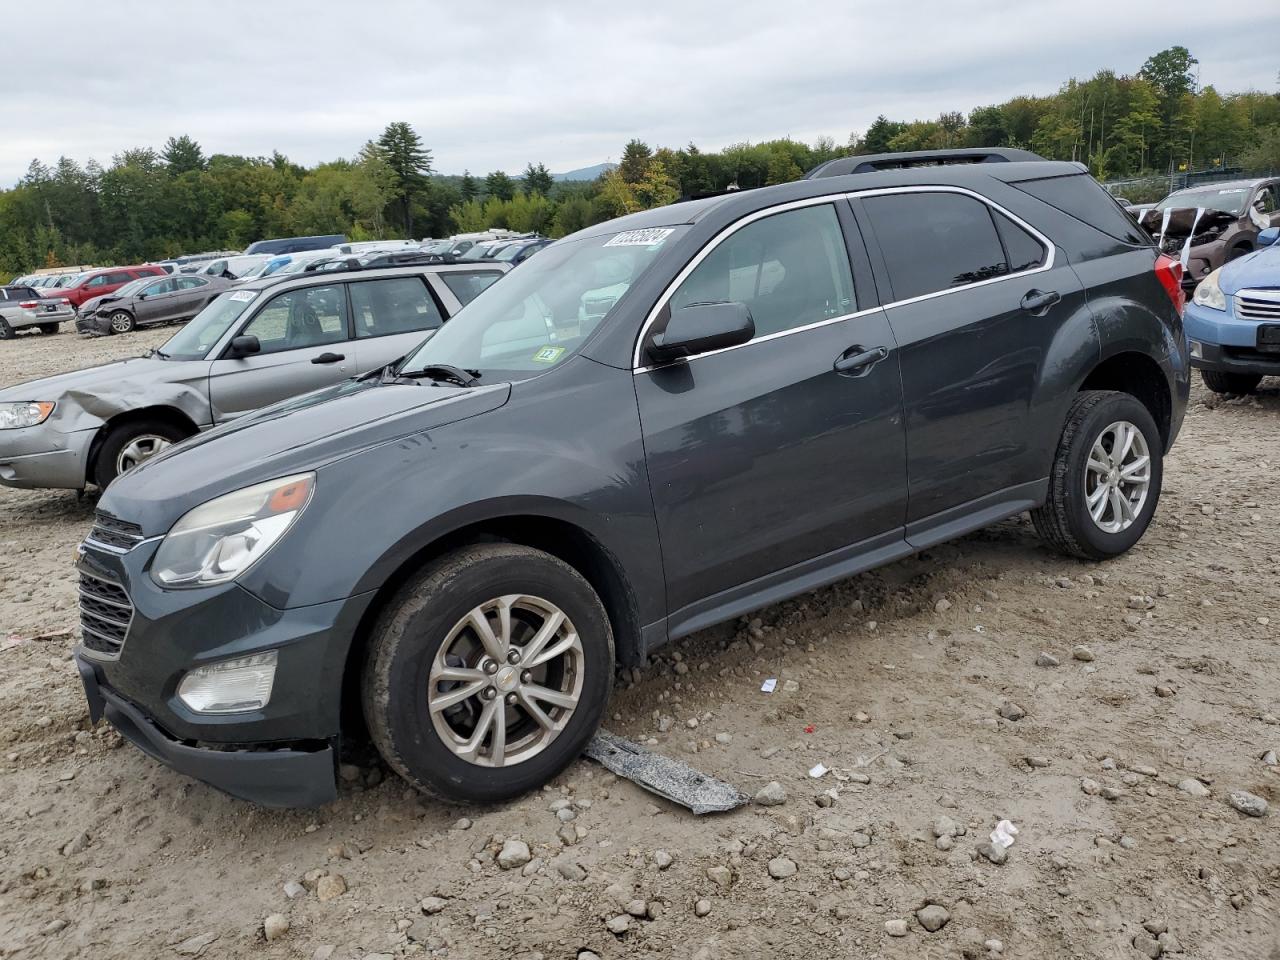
(1134, 676)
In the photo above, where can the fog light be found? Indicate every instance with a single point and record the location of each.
(230, 686)
(1197, 349)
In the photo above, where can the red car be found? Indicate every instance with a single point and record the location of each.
(94, 283)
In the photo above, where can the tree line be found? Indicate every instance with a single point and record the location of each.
(149, 204)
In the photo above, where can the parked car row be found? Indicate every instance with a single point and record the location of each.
(658, 424)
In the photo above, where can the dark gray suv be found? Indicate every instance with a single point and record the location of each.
(657, 424)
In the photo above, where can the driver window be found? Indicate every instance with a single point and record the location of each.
(164, 286)
(790, 269)
(1266, 202)
(307, 317)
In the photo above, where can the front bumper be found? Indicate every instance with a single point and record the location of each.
(1227, 344)
(275, 777)
(92, 325)
(40, 456)
(280, 755)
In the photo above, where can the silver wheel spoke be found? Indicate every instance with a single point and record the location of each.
(494, 646)
(471, 747)
(1099, 508)
(498, 745)
(443, 701)
(534, 647)
(1124, 441)
(1097, 460)
(1126, 513)
(461, 674)
(540, 716)
(546, 695)
(1136, 469)
(1098, 495)
(555, 650)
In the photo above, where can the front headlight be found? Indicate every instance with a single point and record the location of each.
(221, 539)
(1209, 293)
(24, 413)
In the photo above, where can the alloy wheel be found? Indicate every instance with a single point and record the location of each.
(506, 680)
(121, 322)
(1117, 477)
(139, 449)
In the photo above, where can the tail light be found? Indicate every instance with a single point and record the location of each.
(29, 304)
(1169, 273)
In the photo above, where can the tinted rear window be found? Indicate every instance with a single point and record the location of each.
(467, 286)
(1079, 196)
(935, 241)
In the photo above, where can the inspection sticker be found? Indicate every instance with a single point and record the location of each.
(640, 238)
(548, 355)
(243, 296)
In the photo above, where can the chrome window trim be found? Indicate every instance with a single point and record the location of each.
(669, 292)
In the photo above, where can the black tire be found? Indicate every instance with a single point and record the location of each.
(48, 328)
(121, 322)
(1235, 253)
(408, 636)
(1230, 383)
(1064, 521)
(6, 331)
(106, 463)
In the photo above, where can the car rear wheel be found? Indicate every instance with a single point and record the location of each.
(48, 328)
(1106, 477)
(121, 322)
(130, 444)
(6, 331)
(1230, 383)
(488, 673)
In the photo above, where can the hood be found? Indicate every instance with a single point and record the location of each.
(298, 435)
(93, 303)
(1257, 270)
(85, 384)
(1181, 221)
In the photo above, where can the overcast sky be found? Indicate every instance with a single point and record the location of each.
(494, 85)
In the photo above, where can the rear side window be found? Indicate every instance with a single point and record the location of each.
(1024, 252)
(1079, 196)
(790, 269)
(395, 305)
(467, 286)
(935, 241)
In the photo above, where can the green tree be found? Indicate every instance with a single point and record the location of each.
(537, 179)
(1263, 156)
(878, 135)
(573, 214)
(468, 216)
(987, 127)
(182, 155)
(468, 188)
(498, 184)
(410, 163)
(656, 188)
(635, 161)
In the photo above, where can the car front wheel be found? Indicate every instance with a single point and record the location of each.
(121, 322)
(488, 672)
(1238, 384)
(1106, 476)
(131, 443)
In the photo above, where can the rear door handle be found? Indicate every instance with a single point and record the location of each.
(1037, 301)
(328, 358)
(857, 360)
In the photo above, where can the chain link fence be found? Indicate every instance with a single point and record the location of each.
(1155, 188)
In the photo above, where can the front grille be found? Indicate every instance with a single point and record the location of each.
(105, 614)
(1258, 305)
(113, 532)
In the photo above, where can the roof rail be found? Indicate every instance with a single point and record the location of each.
(918, 158)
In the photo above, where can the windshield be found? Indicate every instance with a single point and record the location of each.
(440, 246)
(132, 287)
(507, 254)
(1224, 199)
(300, 262)
(476, 252)
(197, 338)
(541, 314)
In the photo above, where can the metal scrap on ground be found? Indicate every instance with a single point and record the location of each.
(676, 781)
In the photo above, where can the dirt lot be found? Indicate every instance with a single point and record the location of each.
(905, 679)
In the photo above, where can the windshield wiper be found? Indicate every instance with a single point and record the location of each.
(440, 372)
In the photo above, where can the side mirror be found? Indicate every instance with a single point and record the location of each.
(1269, 237)
(245, 346)
(143, 296)
(702, 327)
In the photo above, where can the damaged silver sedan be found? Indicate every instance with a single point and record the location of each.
(266, 341)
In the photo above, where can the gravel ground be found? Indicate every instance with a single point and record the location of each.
(1145, 692)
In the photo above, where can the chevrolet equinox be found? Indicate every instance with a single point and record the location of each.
(657, 424)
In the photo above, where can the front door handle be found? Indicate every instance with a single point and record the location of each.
(857, 360)
(328, 358)
(1037, 301)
